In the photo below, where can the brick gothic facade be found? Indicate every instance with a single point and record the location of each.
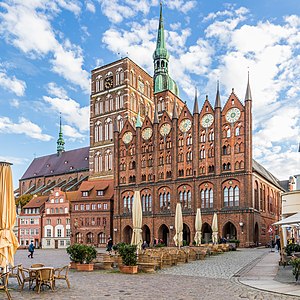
(200, 159)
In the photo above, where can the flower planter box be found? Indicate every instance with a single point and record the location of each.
(128, 269)
(85, 267)
(73, 265)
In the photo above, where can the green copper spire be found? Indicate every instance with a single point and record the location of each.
(60, 141)
(162, 80)
(138, 123)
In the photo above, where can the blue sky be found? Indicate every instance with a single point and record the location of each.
(48, 49)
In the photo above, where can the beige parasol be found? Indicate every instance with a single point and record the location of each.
(198, 227)
(178, 226)
(214, 228)
(137, 238)
(8, 241)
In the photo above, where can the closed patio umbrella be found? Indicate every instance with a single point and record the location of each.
(137, 216)
(8, 240)
(198, 227)
(178, 226)
(214, 228)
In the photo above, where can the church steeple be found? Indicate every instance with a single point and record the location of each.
(218, 100)
(196, 108)
(248, 95)
(60, 141)
(138, 123)
(162, 80)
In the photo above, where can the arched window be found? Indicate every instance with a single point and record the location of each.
(161, 200)
(237, 131)
(236, 196)
(230, 190)
(228, 133)
(189, 199)
(120, 123)
(226, 197)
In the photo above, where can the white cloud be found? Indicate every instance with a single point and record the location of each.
(12, 84)
(15, 103)
(71, 111)
(90, 7)
(27, 26)
(54, 90)
(72, 133)
(24, 126)
(181, 5)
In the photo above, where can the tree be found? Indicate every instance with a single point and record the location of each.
(24, 199)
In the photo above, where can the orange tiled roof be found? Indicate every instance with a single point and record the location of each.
(36, 202)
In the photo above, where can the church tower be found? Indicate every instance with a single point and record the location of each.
(60, 140)
(165, 88)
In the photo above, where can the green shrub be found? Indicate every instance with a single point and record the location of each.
(128, 254)
(295, 262)
(290, 248)
(81, 253)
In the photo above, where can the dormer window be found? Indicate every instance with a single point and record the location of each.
(85, 194)
(100, 192)
(71, 168)
(85, 158)
(47, 165)
(66, 161)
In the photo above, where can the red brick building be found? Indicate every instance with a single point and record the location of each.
(91, 212)
(200, 159)
(56, 228)
(30, 222)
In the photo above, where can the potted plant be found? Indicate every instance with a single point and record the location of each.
(87, 254)
(295, 262)
(129, 258)
(233, 244)
(74, 254)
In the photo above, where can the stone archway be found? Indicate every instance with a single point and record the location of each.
(186, 234)
(146, 234)
(229, 231)
(206, 233)
(256, 234)
(163, 234)
(127, 234)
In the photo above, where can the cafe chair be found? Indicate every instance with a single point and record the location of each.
(4, 284)
(14, 272)
(45, 276)
(62, 273)
(26, 276)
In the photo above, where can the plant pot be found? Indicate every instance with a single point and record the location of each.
(85, 267)
(128, 269)
(73, 265)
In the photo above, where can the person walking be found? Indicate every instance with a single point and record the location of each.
(31, 250)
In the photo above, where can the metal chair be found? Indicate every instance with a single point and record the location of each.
(62, 273)
(4, 283)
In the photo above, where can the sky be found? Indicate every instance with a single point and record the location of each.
(48, 49)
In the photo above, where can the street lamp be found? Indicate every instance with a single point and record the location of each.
(242, 226)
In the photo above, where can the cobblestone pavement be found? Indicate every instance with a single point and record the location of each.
(196, 280)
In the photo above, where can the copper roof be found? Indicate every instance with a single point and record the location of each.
(53, 164)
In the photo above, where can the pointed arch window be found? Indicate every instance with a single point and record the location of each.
(226, 197)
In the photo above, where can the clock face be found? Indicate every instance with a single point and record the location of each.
(108, 83)
(207, 120)
(147, 133)
(233, 115)
(127, 137)
(185, 125)
(165, 129)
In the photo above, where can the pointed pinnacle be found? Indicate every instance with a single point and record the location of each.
(196, 108)
(138, 123)
(218, 100)
(248, 95)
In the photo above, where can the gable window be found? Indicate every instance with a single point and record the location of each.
(85, 194)
(100, 192)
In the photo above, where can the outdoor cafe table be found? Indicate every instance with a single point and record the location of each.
(34, 271)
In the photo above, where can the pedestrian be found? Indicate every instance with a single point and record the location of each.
(109, 245)
(278, 244)
(144, 245)
(31, 250)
